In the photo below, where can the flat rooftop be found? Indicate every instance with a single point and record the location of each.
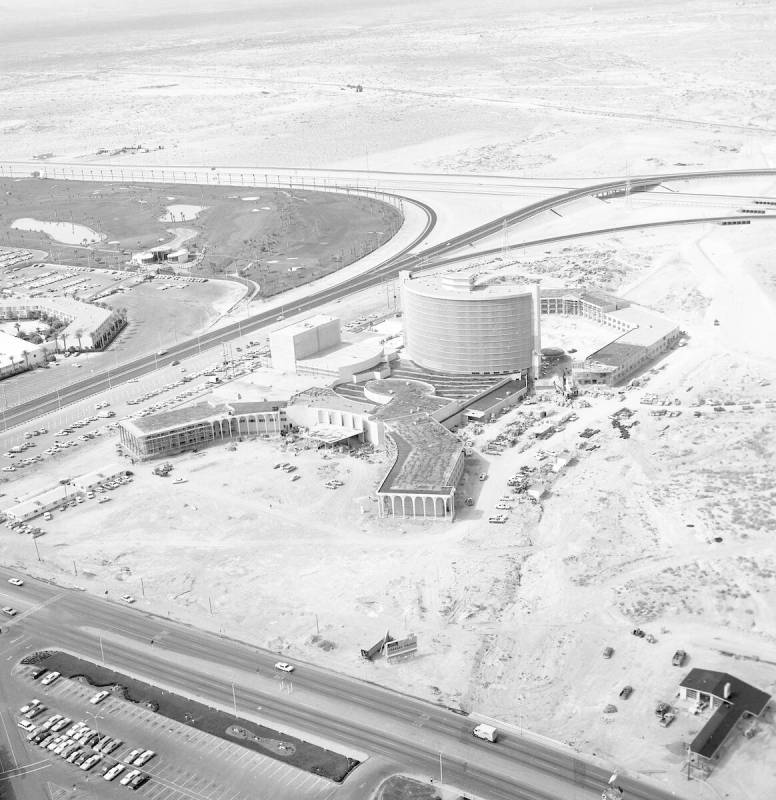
(305, 324)
(407, 397)
(496, 396)
(324, 397)
(426, 456)
(165, 420)
(469, 284)
(615, 354)
(345, 355)
(648, 326)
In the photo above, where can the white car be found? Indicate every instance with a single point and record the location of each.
(131, 775)
(144, 757)
(99, 697)
(127, 598)
(16, 581)
(27, 706)
(26, 725)
(11, 612)
(284, 667)
(91, 761)
(50, 678)
(133, 755)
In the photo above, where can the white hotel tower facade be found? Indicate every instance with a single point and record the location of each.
(471, 324)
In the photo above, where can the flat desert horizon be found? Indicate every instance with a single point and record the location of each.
(556, 89)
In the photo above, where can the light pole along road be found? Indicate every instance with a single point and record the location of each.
(406, 260)
(362, 716)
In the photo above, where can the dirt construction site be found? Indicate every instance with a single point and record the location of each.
(669, 530)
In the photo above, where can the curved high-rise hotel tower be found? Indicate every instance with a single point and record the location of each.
(471, 324)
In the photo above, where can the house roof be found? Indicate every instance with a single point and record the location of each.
(742, 699)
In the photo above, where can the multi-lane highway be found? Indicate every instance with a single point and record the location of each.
(360, 716)
(25, 412)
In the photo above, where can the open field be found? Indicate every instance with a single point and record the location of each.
(276, 237)
(551, 89)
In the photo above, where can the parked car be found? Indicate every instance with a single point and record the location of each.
(608, 652)
(50, 678)
(679, 658)
(144, 757)
(114, 772)
(626, 692)
(99, 697)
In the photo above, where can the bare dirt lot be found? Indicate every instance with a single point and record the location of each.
(279, 238)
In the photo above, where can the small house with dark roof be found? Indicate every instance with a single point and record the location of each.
(730, 698)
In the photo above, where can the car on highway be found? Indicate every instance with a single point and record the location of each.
(50, 678)
(283, 666)
(127, 598)
(9, 611)
(99, 697)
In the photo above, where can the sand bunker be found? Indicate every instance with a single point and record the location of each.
(181, 213)
(65, 232)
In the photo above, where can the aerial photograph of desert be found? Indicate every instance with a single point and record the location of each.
(388, 400)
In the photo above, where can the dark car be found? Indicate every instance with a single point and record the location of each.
(136, 783)
(679, 658)
(626, 692)
(38, 673)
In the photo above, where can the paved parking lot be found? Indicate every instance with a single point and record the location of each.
(189, 763)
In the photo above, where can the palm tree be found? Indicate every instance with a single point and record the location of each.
(64, 341)
(78, 334)
(26, 355)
